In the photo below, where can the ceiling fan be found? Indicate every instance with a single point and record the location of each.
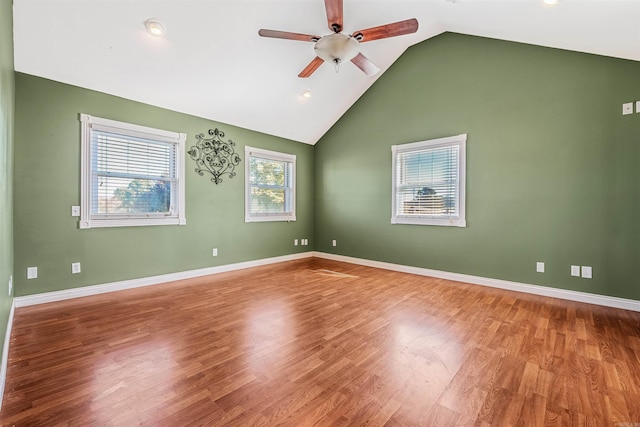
(338, 47)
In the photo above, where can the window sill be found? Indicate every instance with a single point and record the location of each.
(273, 218)
(445, 222)
(132, 222)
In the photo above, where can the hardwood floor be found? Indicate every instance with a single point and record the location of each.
(316, 342)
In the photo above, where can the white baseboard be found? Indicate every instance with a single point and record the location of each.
(84, 291)
(5, 353)
(615, 302)
(607, 301)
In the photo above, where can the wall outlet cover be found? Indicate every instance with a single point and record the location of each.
(575, 270)
(637, 106)
(75, 210)
(32, 272)
(540, 267)
(335, 243)
(75, 268)
(295, 242)
(587, 272)
(627, 108)
(214, 252)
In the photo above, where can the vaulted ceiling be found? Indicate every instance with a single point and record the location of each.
(212, 63)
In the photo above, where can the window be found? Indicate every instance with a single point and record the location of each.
(131, 175)
(429, 182)
(270, 186)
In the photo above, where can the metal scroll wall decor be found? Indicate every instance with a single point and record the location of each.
(215, 156)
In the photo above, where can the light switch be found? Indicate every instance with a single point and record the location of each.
(637, 106)
(32, 272)
(75, 268)
(75, 210)
(540, 267)
(627, 108)
(587, 273)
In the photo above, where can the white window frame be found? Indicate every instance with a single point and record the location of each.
(269, 155)
(177, 216)
(460, 220)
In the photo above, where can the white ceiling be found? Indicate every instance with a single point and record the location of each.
(212, 63)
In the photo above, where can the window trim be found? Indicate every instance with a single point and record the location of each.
(269, 155)
(86, 221)
(460, 220)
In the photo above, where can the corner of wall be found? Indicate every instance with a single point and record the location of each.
(7, 108)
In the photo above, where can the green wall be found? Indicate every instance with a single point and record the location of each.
(47, 184)
(7, 87)
(553, 175)
(553, 168)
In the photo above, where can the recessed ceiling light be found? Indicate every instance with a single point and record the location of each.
(306, 93)
(154, 27)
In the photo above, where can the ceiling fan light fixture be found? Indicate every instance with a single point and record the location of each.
(154, 27)
(337, 48)
(306, 94)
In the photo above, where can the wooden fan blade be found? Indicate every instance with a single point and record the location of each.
(313, 66)
(365, 65)
(289, 36)
(334, 14)
(390, 30)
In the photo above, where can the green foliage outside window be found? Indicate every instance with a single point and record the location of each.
(143, 195)
(268, 183)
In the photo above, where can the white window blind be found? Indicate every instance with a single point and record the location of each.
(270, 186)
(428, 182)
(132, 175)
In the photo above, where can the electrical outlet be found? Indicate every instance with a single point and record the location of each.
(587, 272)
(540, 267)
(10, 284)
(575, 270)
(295, 242)
(75, 210)
(32, 272)
(75, 267)
(335, 243)
(214, 252)
(305, 242)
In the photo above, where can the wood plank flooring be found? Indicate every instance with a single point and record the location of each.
(316, 342)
